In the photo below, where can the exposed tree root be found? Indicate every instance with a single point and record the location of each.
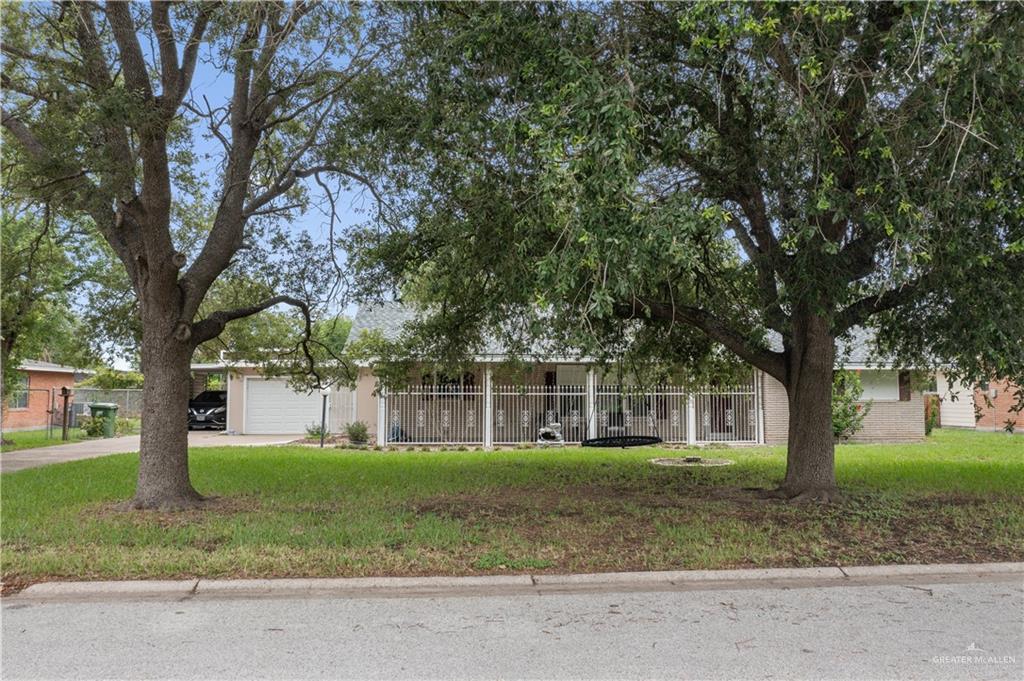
(821, 495)
(176, 502)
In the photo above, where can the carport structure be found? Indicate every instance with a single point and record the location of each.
(259, 405)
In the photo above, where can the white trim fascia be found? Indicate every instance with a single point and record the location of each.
(55, 370)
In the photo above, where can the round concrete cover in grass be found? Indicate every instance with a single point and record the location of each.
(689, 461)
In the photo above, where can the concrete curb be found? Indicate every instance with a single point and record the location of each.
(926, 570)
(498, 584)
(123, 589)
(348, 584)
(683, 576)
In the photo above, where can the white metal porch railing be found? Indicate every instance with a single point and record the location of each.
(727, 414)
(506, 414)
(630, 410)
(435, 414)
(518, 412)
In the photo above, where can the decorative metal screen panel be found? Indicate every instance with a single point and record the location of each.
(631, 410)
(435, 414)
(727, 414)
(532, 407)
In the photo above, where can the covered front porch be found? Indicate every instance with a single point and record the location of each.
(484, 407)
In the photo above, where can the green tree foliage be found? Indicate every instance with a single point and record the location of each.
(112, 379)
(43, 262)
(672, 178)
(848, 407)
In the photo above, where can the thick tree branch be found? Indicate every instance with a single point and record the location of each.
(133, 63)
(768, 361)
(861, 310)
(212, 326)
(32, 146)
(169, 70)
(97, 73)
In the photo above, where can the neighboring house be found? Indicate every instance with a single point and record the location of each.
(489, 405)
(38, 391)
(988, 406)
(994, 402)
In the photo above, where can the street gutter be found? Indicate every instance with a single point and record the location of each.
(512, 585)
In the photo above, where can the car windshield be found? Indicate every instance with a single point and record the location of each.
(211, 396)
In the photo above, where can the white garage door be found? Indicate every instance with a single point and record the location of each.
(272, 407)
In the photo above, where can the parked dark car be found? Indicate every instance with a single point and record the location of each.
(208, 409)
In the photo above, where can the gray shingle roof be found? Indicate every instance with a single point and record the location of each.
(856, 350)
(388, 318)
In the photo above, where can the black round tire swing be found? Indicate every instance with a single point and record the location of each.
(622, 441)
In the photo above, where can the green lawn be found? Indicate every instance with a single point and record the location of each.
(301, 511)
(30, 439)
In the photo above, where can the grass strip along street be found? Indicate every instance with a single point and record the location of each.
(298, 511)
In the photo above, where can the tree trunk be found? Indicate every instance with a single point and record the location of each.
(810, 462)
(163, 456)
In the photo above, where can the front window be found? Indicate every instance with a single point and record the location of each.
(19, 394)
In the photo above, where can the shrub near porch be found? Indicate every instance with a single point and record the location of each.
(301, 511)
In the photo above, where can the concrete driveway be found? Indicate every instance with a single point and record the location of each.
(90, 449)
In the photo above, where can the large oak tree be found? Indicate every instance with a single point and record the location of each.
(111, 122)
(681, 177)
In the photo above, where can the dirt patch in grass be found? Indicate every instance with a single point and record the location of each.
(577, 500)
(213, 505)
(616, 526)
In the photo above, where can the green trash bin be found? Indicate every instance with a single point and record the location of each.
(108, 412)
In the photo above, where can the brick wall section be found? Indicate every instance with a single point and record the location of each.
(40, 384)
(994, 416)
(886, 422)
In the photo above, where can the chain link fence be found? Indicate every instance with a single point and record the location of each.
(128, 401)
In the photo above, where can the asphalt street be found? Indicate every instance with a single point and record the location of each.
(939, 630)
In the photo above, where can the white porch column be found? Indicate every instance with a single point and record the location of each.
(591, 403)
(488, 410)
(759, 406)
(382, 415)
(691, 419)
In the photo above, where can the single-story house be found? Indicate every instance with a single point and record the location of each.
(487, 405)
(30, 404)
(490, 405)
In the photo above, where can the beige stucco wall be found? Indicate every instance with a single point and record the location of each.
(887, 421)
(366, 400)
(236, 398)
